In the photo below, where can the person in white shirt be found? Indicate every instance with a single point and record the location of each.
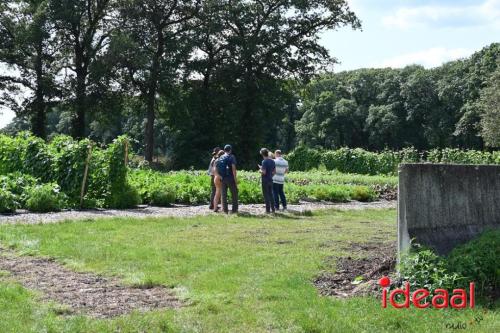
(279, 180)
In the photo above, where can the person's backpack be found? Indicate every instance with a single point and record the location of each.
(222, 165)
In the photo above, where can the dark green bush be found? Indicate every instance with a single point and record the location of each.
(63, 161)
(8, 203)
(45, 198)
(329, 193)
(422, 268)
(18, 184)
(363, 193)
(163, 198)
(38, 160)
(303, 158)
(128, 197)
(477, 260)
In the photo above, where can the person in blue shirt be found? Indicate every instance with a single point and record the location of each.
(267, 171)
(227, 166)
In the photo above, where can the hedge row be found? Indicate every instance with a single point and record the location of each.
(360, 161)
(62, 161)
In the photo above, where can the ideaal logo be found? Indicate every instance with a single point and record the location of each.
(440, 299)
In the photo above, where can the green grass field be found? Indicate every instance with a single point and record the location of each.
(237, 274)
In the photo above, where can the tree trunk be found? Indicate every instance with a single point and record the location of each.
(249, 122)
(151, 100)
(78, 130)
(38, 118)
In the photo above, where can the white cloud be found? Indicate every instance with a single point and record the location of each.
(428, 58)
(484, 13)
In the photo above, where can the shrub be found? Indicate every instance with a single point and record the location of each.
(363, 193)
(422, 268)
(477, 260)
(303, 158)
(8, 203)
(330, 193)
(163, 198)
(45, 198)
(18, 184)
(128, 197)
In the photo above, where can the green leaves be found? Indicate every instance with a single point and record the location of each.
(360, 161)
(62, 161)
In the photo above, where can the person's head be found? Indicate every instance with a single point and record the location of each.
(215, 151)
(220, 153)
(264, 152)
(228, 149)
(277, 153)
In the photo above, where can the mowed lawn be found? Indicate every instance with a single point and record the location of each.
(236, 274)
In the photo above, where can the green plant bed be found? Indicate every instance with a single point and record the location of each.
(193, 187)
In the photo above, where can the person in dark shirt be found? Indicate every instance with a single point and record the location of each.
(267, 171)
(229, 179)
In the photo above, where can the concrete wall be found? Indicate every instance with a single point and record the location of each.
(443, 205)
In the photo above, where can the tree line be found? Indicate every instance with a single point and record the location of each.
(453, 105)
(154, 68)
(181, 77)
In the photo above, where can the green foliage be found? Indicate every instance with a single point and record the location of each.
(117, 176)
(69, 164)
(63, 161)
(303, 158)
(490, 119)
(127, 197)
(477, 260)
(360, 161)
(18, 184)
(8, 203)
(12, 153)
(45, 198)
(329, 193)
(425, 269)
(193, 187)
(37, 159)
(363, 193)
(454, 105)
(162, 198)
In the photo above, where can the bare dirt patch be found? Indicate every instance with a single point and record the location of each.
(358, 276)
(84, 293)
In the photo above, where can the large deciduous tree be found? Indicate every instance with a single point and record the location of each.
(490, 120)
(83, 30)
(27, 50)
(154, 43)
(259, 43)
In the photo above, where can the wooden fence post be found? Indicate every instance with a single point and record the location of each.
(85, 173)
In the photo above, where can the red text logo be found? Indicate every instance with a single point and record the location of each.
(420, 297)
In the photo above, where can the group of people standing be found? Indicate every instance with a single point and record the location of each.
(223, 174)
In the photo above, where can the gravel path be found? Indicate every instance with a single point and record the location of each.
(83, 293)
(23, 217)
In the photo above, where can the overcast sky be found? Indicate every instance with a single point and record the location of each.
(399, 33)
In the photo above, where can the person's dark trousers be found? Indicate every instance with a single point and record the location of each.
(231, 184)
(212, 193)
(267, 191)
(279, 194)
